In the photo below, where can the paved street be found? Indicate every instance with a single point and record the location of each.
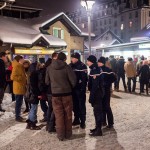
(132, 130)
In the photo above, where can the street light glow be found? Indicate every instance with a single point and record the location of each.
(88, 4)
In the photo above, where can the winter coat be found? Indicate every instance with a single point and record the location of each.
(120, 67)
(130, 69)
(19, 78)
(144, 74)
(109, 76)
(80, 69)
(61, 77)
(113, 63)
(2, 74)
(95, 83)
(34, 88)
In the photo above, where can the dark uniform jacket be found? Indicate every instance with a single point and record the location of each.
(95, 83)
(80, 70)
(2, 74)
(109, 76)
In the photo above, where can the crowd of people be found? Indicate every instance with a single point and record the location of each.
(61, 89)
(132, 71)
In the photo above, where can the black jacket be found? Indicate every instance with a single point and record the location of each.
(80, 70)
(120, 67)
(113, 63)
(2, 74)
(41, 80)
(109, 76)
(144, 74)
(95, 83)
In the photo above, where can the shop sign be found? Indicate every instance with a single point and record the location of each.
(147, 45)
(33, 52)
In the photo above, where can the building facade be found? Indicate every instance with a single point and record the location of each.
(124, 17)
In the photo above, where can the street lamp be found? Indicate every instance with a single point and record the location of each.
(88, 4)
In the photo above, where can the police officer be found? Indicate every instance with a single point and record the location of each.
(79, 92)
(95, 86)
(109, 78)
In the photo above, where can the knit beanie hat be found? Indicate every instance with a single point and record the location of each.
(102, 60)
(76, 55)
(92, 59)
(62, 56)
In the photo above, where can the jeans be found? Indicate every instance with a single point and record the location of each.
(44, 108)
(19, 101)
(123, 80)
(133, 79)
(33, 113)
(28, 105)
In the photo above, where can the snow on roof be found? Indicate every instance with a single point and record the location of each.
(54, 41)
(65, 17)
(21, 32)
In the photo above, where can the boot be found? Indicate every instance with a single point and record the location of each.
(92, 130)
(34, 127)
(76, 122)
(97, 132)
(82, 125)
(28, 124)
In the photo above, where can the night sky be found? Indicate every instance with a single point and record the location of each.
(51, 6)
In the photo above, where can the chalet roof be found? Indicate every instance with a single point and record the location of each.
(100, 42)
(21, 32)
(46, 21)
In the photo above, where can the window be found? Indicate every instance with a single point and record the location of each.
(115, 23)
(102, 13)
(136, 14)
(122, 18)
(122, 26)
(101, 23)
(57, 32)
(116, 31)
(109, 21)
(130, 16)
(105, 22)
(130, 24)
(149, 13)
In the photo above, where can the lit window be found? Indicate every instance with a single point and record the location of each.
(83, 26)
(130, 24)
(57, 32)
(105, 14)
(106, 6)
(122, 26)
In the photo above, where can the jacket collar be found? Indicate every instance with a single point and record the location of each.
(94, 66)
